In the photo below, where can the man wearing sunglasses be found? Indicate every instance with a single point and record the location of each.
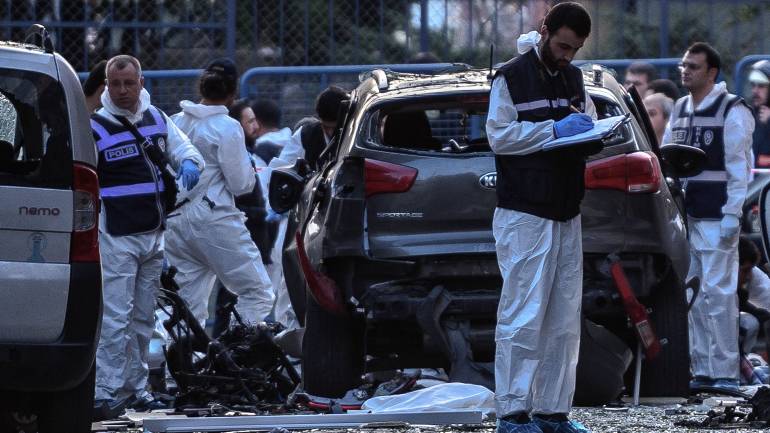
(720, 124)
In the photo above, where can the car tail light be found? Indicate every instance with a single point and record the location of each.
(85, 227)
(384, 177)
(637, 172)
(323, 289)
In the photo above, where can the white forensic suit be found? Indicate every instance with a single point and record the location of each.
(209, 239)
(290, 145)
(538, 318)
(132, 261)
(713, 257)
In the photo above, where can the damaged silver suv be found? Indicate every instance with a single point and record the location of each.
(50, 275)
(390, 258)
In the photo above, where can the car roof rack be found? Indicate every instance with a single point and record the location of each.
(38, 36)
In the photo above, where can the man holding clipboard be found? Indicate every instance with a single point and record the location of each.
(537, 223)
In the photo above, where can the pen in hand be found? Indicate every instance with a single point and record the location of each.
(574, 110)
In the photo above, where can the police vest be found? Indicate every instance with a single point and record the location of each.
(706, 193)
(130, 184)
(545, 184)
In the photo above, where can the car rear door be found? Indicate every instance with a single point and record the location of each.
(447, 197)
(36, 219)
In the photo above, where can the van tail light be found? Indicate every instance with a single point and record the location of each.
(385, 177)
(84, 245)
(633, 173)
(323, 289)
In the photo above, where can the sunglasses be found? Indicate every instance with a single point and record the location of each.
(689, 65)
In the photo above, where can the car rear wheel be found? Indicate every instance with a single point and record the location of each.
(669, 374)
(332, 352)
(68, 411)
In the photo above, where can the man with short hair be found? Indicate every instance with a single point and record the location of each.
(536, 224)
(131, 226)
(664, 86)
(639, 75)
(720, 124)
(759, 78)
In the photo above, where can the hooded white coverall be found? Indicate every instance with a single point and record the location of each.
(209, 239)
(282, 312)
(131, 268)
(538, 319)
(714, 315)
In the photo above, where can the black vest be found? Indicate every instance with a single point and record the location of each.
(130, 185)
(545, 184)
(314, 142)
(706, 193)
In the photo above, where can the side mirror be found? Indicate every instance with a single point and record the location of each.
(681, 160)
(286, 186)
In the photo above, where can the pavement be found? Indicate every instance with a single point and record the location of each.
(652, 415)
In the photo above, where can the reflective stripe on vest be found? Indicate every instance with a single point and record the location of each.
(126, 190)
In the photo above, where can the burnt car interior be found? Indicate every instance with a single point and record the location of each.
(453, 125)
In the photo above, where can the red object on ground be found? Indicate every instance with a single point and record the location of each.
(635, 310)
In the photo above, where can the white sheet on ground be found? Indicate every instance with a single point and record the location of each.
(444, 397)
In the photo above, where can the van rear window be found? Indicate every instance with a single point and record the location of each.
(35, 148)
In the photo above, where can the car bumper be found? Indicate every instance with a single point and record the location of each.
(64, 363)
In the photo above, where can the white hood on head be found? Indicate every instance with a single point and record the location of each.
(133, 117)
(200, 111)
(527, 42)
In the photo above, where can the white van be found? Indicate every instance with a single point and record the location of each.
(50, 273)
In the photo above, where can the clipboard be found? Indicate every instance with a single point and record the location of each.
(602, 129)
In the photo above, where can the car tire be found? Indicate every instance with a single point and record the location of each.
(332, 352)
(68, 411)
(669, 374)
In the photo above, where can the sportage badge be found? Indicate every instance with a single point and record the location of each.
(489, 180)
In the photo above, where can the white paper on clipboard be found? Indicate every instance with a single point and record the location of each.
(602, 129)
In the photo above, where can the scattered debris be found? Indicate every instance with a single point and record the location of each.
(243, 370)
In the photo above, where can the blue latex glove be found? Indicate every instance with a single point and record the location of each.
(573, 124)
(272, 216)
(729, 226)
(189, 173)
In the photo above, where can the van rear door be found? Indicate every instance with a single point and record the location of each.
(36, 219)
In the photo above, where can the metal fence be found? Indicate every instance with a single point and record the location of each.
(167, 34)
(163, 34)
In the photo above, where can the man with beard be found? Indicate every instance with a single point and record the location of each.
(720, 124)
(535, 98)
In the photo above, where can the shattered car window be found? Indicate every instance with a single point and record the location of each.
(7, 120)
(35, 148)
(447, 126)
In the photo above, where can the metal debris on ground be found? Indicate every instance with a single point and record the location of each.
(243, 370)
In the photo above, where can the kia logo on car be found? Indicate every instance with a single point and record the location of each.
(489, 180)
